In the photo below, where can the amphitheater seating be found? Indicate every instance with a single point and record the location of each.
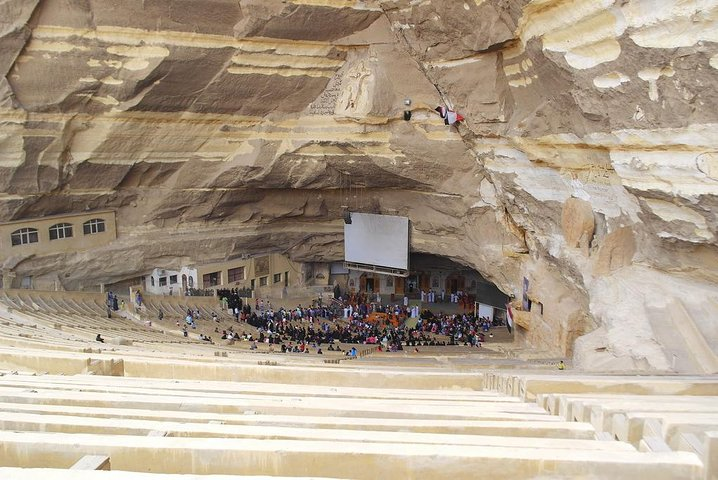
(653, 413)
(80, 318)
(158, 408)
(171, 426)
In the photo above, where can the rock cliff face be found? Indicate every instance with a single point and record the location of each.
(588, 162)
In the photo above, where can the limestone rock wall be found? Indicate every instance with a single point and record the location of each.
(588, 162)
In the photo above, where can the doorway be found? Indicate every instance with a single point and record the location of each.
(424, 282)
(455, 283)
(411, 282)
(399, 285)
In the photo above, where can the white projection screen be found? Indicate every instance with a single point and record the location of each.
(378, 240)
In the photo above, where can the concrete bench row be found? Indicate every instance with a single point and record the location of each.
(242, 368)
(343, 459)
(10, 473)
(209, 428)
(528, 386)
(52, 304)
(653, 413)
(86, 327)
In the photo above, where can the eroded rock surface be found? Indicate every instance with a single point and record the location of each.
(588, 161)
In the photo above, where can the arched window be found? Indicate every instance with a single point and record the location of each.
(24, 236)
(60, 230)
(91, 227)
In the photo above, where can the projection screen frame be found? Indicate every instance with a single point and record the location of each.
(395, 270)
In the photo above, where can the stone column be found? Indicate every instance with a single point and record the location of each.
(7, 277)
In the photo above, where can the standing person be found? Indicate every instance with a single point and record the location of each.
(160, 315)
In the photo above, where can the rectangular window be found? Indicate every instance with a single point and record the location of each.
(263, 281)
(286, 279)
(251, 284)
(210, 279)
(152, 281)
(277, 277)
(173, 279)
(163, 281)
(235, 274)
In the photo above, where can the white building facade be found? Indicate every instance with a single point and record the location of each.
(171, 282)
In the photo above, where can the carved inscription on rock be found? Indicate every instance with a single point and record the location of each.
(326, 102)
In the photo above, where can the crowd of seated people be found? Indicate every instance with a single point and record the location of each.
(348, 321)
(465, 329)
(320, 325)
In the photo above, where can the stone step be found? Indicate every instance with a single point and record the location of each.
(346, 374)
(628, 426)
(275, 389)
(578, 407)
(11, 473)
(108, 426)
(349, 459)
(268, 405)
(478, 401)
(601, 416)
(527, 386)
(490, 424)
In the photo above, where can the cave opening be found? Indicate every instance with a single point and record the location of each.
(439, 283)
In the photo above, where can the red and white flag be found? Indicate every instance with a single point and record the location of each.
(450, 117)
